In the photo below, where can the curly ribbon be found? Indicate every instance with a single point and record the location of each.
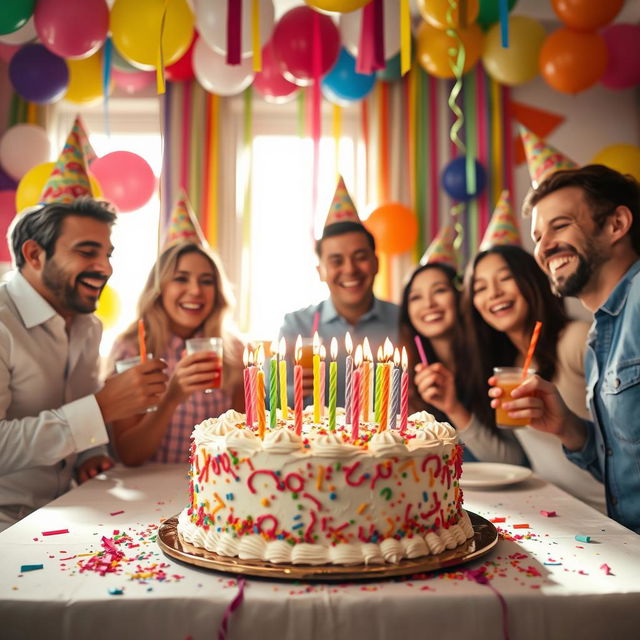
(106, 80)
(255, 35)
(479, 576)
(234, 32)
(160, 59)
(405, 36)
(235, 603)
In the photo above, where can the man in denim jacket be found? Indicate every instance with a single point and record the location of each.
(586, 228)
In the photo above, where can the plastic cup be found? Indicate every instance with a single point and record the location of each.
(507, 379)
(128, 363)
(306, 353)
(195, 345)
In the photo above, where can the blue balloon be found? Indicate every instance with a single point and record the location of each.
(343, 84)
(454, 179)
(38, 75)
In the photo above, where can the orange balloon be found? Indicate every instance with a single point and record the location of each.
(435, 12)
(433, 47)
(587, 15)
(394, 227)
(572, 61)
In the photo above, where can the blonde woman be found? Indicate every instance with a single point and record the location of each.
(186, 295)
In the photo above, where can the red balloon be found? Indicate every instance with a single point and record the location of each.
(293, 44)
(572, 61)
(134, 81)
(394, 227)
(270, 83)
(182, 69)
(126, 179)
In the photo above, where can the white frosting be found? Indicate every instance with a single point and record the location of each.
(331, 445)
(282, 440)
(387, 443)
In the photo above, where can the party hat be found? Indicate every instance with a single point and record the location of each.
(88, 150)
(183, 224)
(503, 226)
(342, 208)
(441, 250)
(542, 158)
(69, 179)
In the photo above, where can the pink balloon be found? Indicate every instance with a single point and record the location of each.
(126, 179)
(72, 28)
(293, 44)
(7, 213)
(134, 81)
(623, 66)
(270, 83)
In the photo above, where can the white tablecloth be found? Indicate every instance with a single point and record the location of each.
(553, 586)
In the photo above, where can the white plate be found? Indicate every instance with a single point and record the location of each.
(492, 474)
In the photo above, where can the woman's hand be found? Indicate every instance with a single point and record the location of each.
(436, 386)
(194, 372)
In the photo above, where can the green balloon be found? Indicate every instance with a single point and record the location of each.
(14, 14)
(490, 11)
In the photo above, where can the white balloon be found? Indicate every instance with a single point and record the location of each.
(26, 33)
(216, 76)
(350, 26)
(211, 22)
(22, 147)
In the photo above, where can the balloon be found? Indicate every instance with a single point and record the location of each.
(126, 179)
(293, 44)
(108, 308)
(32, 185)
(351, 23)
(435, 12)
(133, 82)
(623, 63)
(135, 29)
(182, 69)
(518, 63)
(343, 84)
(434, 47)
(38, 75)
(15, 14)
(490, 11)
(270, 83)
(211, 18)
(454, 179)
(572, 61)
(72, 28)
(85, 79)
(7, 214)
(337, 6)
(118, 62)
(394, 227)
(624, 158)
(586, 15)
(216, 76)
(23, 146)
(24, 34)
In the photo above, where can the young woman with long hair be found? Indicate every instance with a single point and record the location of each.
(186, 295)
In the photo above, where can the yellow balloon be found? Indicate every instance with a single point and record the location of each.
(85, 79)
(624, 158)
(433, 46)
(518, 63)
(135, 28)
(435, 12)
(108, 308)
(337, 6)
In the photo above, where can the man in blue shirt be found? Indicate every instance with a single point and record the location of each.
(586, 229)
(347, 262)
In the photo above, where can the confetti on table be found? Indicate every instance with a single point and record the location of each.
(31, 567)
(55, 532)
(498, 520)
(548, 514)
(115, 592)
(581, 538)
(607, 569)
(552, 564)
(520, 526)
(116, 513)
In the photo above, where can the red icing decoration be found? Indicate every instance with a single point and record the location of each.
(379, 474)
(349, 471)
(273, 529)
(279, 485)
(294, 476)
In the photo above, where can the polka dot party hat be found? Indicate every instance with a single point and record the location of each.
(183, 224)
(342, 208)
(542, 158)
(442, 250)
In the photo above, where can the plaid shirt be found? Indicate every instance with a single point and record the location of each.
(174, 447)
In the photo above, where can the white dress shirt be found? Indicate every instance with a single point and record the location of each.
(48, 413)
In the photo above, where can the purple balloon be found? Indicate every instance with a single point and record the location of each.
(623, 45)
(38, 75)
(7, 183)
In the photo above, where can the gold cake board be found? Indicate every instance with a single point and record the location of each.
(484, 539)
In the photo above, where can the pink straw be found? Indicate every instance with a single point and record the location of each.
(316, 322)
(423, 356)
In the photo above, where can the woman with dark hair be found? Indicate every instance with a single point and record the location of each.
(505, 294)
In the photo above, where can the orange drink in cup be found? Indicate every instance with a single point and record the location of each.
(306, 357)
(507, 379)
(193, 345)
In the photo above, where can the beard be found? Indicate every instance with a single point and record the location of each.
(56, 280)
(588, 264)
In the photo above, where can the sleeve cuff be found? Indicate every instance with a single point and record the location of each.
(588, 455)
(86, 424)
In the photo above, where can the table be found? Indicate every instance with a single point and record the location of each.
(552, 585)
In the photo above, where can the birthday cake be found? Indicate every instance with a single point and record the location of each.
(323, 497)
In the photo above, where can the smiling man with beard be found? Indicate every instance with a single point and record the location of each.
(52, 408)
(586, 228)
